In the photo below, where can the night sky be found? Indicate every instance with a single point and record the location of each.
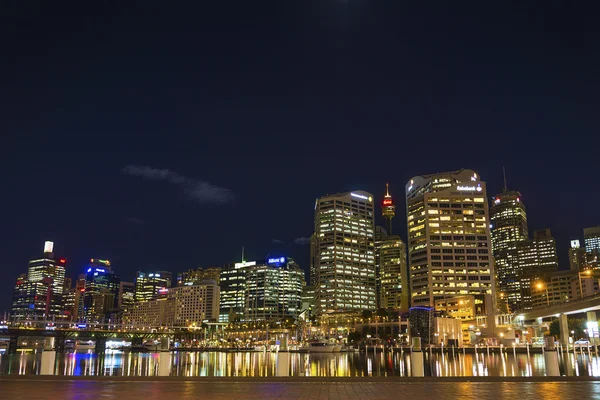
(163, 135)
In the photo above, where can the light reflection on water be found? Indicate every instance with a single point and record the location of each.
(266, 364)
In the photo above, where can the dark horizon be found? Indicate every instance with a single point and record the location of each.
(169, 138)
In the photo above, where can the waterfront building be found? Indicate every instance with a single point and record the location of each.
(592, 239)
(508, 228)
(268, 290)
(151, 285)
(40, 293)
(536, 258)
(308, 299)
(449, 243)
(233, 291)
(344, 254)
(195, 276)
(393, 274)
(183, 306)
(273, 290)
(101, 292)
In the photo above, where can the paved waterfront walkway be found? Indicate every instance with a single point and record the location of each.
(35, 388)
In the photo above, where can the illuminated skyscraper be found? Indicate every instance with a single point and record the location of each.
(151, 285)
(577, 256)
(393, 274)
(273, 290)
(40, 294)
(101, 292)
(509, 228)
(535, 258)
(380, 235)
(344, 259)
(591, 237)
(449, 242)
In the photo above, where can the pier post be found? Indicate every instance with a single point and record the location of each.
(416, 358)
(48, 361)
(551, 358)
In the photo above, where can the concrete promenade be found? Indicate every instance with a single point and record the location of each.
(34, 388)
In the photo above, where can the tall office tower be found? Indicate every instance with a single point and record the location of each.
(29, 300)
(393, 274)
(195, 276)
(509, 227)
(101, 293)
(577, 256)
(273, 290)
(313, 254)
(449, 242)
(591, 237)
(50, 272)
(344, 264)
(380, 235)
(308, 300)
(233, 291)
(535, 258)
(151, 285)
(126, 295)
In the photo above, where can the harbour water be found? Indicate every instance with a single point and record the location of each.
(264, 364)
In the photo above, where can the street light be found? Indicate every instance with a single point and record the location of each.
(541, 286)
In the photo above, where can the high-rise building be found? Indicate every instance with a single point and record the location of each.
(577, 256)
(233, 291)
(274, 290)
(380, 235)
(535, 258)
(40, 293)
(50, 272)
(509, 228)
(151, 285)
(591, 237)
(449, 242)
(256, 290)
(308, 299)
(126, 295)
(195, 276)
(101, 293)
(29, 299)
(344, 259)
(393, 274)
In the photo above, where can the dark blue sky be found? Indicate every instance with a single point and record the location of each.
(244, 112)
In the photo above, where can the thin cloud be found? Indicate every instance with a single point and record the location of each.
(276, 241)
(302, 241)
(195, 189)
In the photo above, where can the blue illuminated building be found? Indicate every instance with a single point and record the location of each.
(101, 295)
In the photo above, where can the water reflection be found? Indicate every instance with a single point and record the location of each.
(261, 364)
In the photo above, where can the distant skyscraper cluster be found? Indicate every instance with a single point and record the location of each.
(463, 256)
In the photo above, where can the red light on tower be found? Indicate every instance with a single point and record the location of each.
(62, 260)
(388, 209)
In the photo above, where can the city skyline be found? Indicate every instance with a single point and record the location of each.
(163, 138)
(275, 243)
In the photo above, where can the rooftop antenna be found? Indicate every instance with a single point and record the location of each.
(504, 173)
(243, 254)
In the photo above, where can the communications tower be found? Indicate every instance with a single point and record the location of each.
(388, 208)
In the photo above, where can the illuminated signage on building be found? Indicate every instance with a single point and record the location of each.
(469, 188)
(575, 244)
(360, 196)
(277, 260)
(387, 202)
